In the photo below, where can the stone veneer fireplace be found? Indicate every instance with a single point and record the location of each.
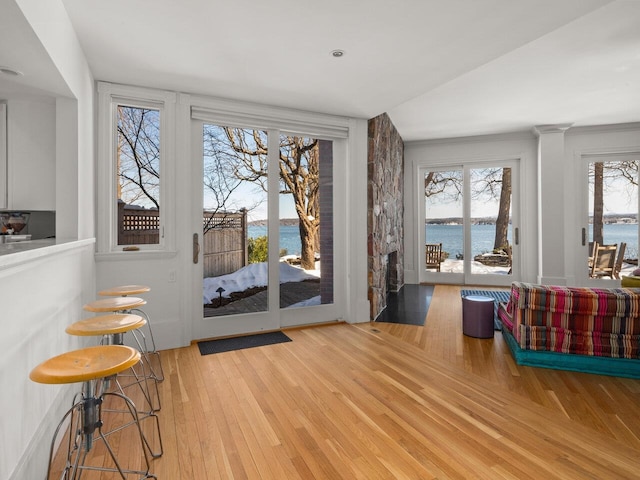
(385, 212)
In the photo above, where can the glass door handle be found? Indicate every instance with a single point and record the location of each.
(584, 236)
(196, 248)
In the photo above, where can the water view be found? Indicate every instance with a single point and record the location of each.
(289, 237)
(482, 236)
(452, 240)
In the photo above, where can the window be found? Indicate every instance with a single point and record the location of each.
(137, 175)
(612, 214)
(135, 145)
(469, 222)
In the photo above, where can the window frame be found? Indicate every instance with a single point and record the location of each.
(586, 158)
(111, 96)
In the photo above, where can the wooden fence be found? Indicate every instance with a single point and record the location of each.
(224, 242)
(224, 238)
(137, 225)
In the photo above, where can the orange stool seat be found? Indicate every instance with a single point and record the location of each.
(112, 328)
(114, 304)
(124, 291)
(106, 325)
(85, 364)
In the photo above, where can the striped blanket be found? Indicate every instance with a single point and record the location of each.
(587, 321)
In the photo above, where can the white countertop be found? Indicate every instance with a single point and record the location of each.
(16, 253)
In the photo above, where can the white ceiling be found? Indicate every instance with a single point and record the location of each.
(440, 68)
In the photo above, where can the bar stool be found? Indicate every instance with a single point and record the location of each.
(126, 291)
(94, 367)
(112, 329)
(127, 304)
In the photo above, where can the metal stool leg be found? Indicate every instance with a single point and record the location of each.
(142, 379)
(157, 372)
(85, 429)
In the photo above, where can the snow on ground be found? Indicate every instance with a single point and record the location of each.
(253, 275)
(457, 266)
(307, 303)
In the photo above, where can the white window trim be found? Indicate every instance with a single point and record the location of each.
(240, 114)
(110, 95)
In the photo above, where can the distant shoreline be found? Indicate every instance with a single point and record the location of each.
(286, 222)
(611, 219)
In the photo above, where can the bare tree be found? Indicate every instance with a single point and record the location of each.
(299, 167)
(598, 202)
(139, 156)
(220, 181)
(447, 186)
(495, 183)
(492, 184)
(504, 209)
(299, 176)
(608, 176)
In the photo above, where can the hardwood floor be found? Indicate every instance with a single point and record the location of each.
(391, 401)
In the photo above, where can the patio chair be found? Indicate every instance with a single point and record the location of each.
(619, 260)
(433, 253)
(604, 258)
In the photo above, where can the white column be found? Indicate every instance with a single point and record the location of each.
(551, 204)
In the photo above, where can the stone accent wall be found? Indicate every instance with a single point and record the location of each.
(385, 210)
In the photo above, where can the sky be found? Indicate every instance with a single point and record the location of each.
(246, 195)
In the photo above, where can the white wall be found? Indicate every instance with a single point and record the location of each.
(40, 297)
(44, 292)
(31, 143)
(164, 305)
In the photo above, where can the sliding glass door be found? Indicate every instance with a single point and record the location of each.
(267, 241)
(469, 218)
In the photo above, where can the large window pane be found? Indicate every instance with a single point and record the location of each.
(487, 224)
(138, 175)
(306, 221)
(234, 236)
(613, 215)
(490, 227)
(443, 219)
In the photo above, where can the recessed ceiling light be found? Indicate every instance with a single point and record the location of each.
(337, 53)
(10, 71)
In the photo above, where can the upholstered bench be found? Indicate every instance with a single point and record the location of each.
(594, 330)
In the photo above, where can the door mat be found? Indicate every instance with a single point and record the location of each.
(238, 343)
(497, 295)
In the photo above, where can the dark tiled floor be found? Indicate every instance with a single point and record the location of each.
(409, 305)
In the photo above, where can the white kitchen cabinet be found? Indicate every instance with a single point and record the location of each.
(31, 154)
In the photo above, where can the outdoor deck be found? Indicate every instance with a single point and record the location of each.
(290, 293)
